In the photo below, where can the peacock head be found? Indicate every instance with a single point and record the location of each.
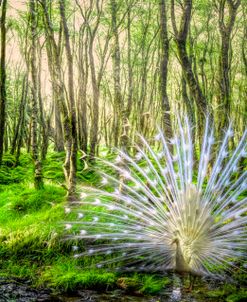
(175, 241)
(176, 237)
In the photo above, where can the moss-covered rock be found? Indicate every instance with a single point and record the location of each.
(129, 284)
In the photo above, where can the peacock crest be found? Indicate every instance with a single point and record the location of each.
(168, 210)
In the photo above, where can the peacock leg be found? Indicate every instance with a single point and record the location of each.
(192, 282)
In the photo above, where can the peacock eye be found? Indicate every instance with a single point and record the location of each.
(157, 137)
(104, 181)
(80, 215)
(68, 226)
(118, 159)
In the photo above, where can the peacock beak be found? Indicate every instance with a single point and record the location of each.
(175, 241)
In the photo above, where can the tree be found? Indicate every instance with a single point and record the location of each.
(67, 111)
(2, 76)
(38, 178)
(20, 121)
(117, 107)
(91, 14)
(71, 154)
(227, 10)
(164, 40)
(181, 37)
(83, 78)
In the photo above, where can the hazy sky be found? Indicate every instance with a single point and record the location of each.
(14, 60)
(14, 5)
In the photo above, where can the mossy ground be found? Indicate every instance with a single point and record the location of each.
(32, 244)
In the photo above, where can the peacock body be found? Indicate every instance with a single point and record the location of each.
(169, 211)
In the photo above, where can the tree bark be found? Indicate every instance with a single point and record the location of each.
(21, 116)
(226, 28)
(67, 111)
(38, 178)
(165, 106)
(180, 36)
(117, 108)
(42, 120)
(82, 95)
(2, 76)
(71, 157)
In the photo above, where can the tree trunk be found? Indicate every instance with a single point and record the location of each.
(82, 95)
(165, 106)
(226, 27)
(180, 36)
(126, 125)
(71, 156)
(58, 127)
(58, 131)
(68, 112)
(38, 178)
(95, 111)
(42, 121)
(2, 76)
(21, 116)
(117, 107)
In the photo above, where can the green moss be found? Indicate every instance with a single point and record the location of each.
(240, 296)
(143, 283)
(154, 284)
(65, 274)
(216, 293)
(18, 268)
(129, 283)
(221, 292)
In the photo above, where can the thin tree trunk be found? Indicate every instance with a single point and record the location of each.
(95, 110)
(44, 126)
(2, 77)
(165, 106)
(82, 95)
(22, 107)
(226, 27)
(68, 112)
(125, 141)
(181, 36)
(117, 107)
(38, 178)
(71, 157)
(58, 131)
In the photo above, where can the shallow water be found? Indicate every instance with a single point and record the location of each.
(14, 292)
(108, 297)
(21, 291)
(118, 296)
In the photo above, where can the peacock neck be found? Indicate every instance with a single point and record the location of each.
(180, 264)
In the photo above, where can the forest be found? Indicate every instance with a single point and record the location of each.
(95, 94)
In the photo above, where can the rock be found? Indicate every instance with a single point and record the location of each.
(20, 291)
